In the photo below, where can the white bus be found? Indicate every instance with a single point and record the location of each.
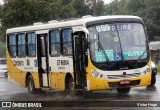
(91, 53)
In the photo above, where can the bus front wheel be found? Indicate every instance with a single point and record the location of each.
(30, 84)
(123, 90)
(153, 80)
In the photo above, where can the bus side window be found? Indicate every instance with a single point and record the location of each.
(21, 45)
(67, 41)
(54, 42)
(31, 44)
(12, 45)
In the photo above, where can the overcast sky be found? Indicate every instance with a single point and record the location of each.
(1, 1)
(105, 1)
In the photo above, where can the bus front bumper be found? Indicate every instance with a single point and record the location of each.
(103, 84)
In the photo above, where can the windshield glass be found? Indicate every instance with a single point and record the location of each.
(117, 42)
(3, 62)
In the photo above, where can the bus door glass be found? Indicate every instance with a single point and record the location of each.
(43, 65)
(79, 59)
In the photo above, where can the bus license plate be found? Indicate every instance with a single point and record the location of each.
(123, 82)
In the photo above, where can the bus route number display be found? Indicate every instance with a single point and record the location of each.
(113, 27)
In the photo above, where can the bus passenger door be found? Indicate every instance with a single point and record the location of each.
(79, 59)
(42, 57)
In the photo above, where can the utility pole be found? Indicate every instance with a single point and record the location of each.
(94, 8)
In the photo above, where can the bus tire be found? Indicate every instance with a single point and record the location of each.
(153, 80)
(72, 91)
(30, 84)
(123, 90)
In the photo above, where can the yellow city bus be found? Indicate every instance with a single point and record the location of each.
(89, 53)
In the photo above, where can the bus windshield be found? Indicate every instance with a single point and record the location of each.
(117, 42)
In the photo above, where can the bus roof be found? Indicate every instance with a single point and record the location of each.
(68, 23)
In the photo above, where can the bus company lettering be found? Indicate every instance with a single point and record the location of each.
(110, 27)
(62, 62)
(18, 63)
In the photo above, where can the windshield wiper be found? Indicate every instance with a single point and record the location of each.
(119, 40)
(100, 47)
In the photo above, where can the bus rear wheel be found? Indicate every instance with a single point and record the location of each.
(30, 84)
(123, 90)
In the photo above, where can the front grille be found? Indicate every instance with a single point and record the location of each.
(134, 75)
(117, 84)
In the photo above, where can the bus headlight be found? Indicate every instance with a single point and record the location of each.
(97, 74)
(147, 71)
(94, 73)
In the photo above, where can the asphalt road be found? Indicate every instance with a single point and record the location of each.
(137, 95)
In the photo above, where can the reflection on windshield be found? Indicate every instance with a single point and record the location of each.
(121, 41)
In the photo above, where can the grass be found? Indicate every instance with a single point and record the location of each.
(158, 68)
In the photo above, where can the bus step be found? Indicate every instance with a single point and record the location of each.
(45, 89)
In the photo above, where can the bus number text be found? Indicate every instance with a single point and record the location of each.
(62, 62)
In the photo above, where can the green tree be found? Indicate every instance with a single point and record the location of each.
(2, 34)
(14, 11)
(54, 9)
(0, 11)
(2, 29)
(100, 7)
(81, 8)
(25, 12)
(151, 16)
(148, 10)
(68, 10)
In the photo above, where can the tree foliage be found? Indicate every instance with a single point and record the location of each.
(16, 13)
(25, 12)
(81, 8)
(148, 10)
(100, 7)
